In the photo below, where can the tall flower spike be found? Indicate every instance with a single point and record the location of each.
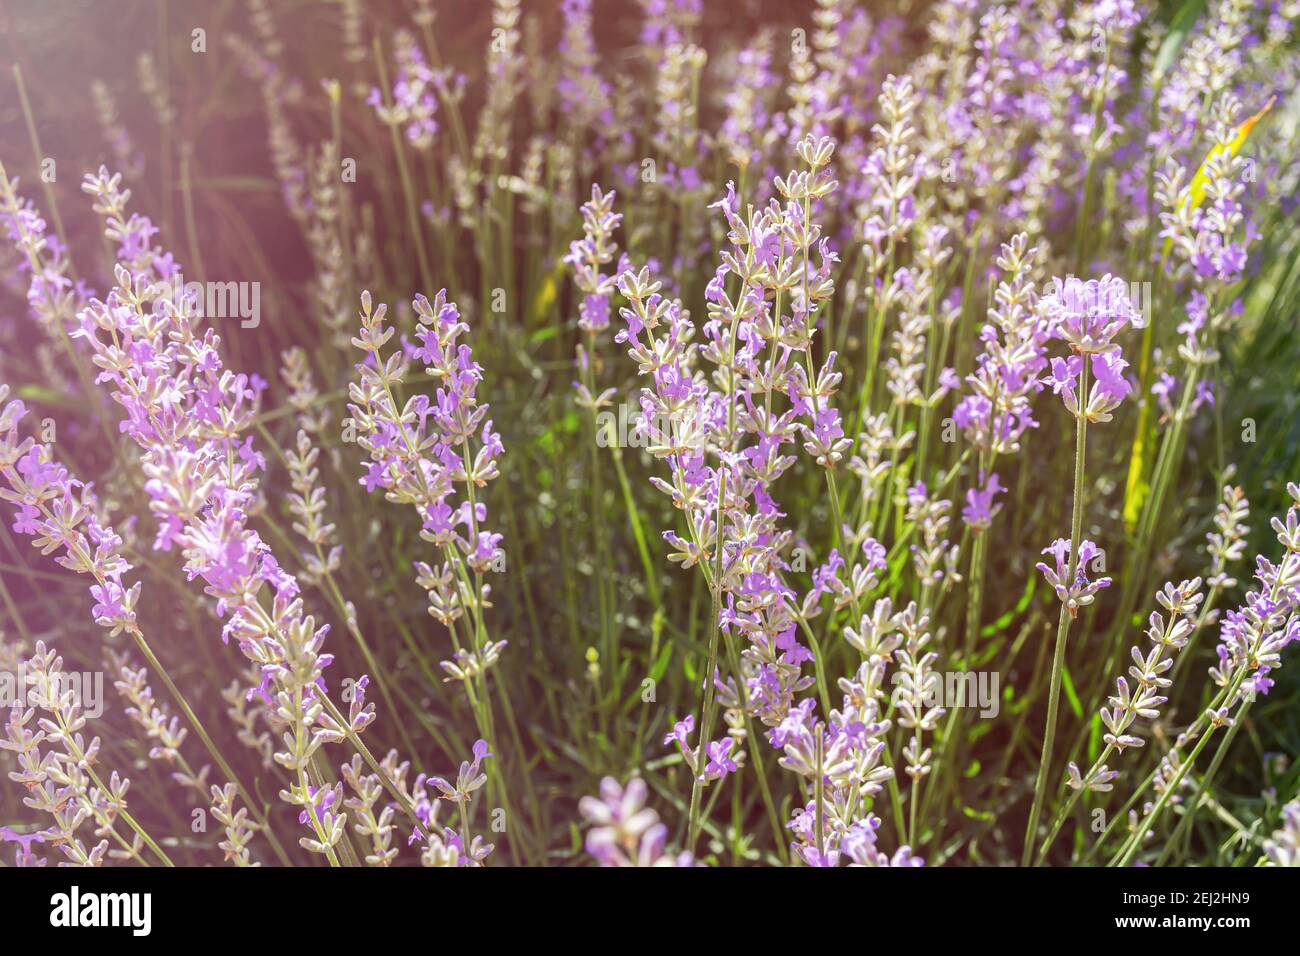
(1144, 699)
(187, 413)
(419, 454)
(1253, 636)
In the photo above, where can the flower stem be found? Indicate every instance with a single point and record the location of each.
(1192, 805)
(1063, 624)
(1064, 812)
(706, 709)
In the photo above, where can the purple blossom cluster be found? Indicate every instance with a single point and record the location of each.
(424, 453)
(62, 514)
(1077, 590)
(186, 412)
(413, 104)
(830, 365)
(733, 520)
(1253, 636)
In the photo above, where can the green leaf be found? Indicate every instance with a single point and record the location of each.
(661, 665)
(548, 292)
(1070, 695)
(1179, 28)
(39, 393)
(1004, 622)
(1137, 484)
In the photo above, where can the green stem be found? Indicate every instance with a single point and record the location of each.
(1064, 812)
(1203, 785)
(1063, 624)
(706, 709)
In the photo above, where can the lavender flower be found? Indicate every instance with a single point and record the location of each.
(875, 211)
(63, 782)
(625, 832)
(1253, 636)
(1081, 591)
(62, 514)
(420, 453)
(1149, 669)
(1089, 315)
(414, 101)
(1283, 848)
(1226, 544)
(981, 505)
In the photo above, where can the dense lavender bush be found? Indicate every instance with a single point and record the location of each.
(809, 435)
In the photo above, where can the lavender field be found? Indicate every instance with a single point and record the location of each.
(623, 433)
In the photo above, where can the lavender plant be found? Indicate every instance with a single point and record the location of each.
(858, 391)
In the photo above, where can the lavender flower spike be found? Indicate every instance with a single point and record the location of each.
(1081, 591)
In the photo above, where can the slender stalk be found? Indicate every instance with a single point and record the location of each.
(1064, 812)
(404, 173)
(1203, 785)
(1134, 843)
(1063, 624)
(156, 665)
(304, 785)
(46, 186)
(706, 708)
(638, 528)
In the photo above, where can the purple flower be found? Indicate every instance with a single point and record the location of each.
(1079, 591)
(624, 831)
(1065, 379)
(681, 733)
(61, 513)
(1253, 636)
(187, 414)
(24, 855)
(414, 95)
(720, 763)
(980, 507)
(420, 453)
(1088, 315)
(1109, 387)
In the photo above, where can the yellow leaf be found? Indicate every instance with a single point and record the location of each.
(1138, 484)
(1196, 191)
(1202, 179)
(546, 293)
